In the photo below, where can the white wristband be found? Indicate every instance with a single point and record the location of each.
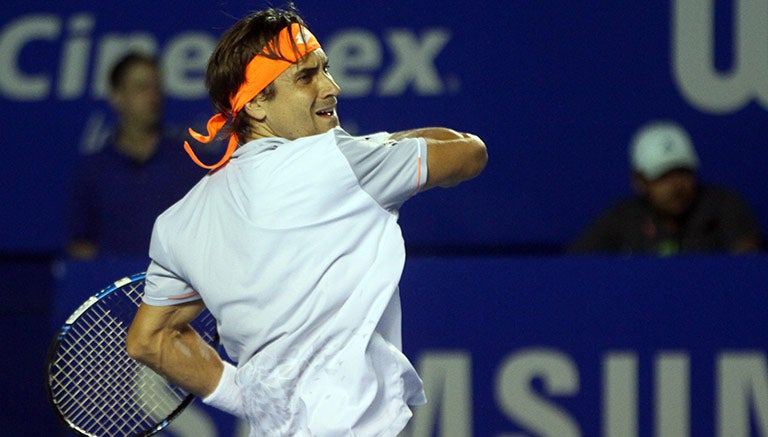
(227, 396)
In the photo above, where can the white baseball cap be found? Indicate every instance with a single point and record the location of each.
(659, 147)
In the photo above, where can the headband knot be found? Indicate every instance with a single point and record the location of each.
(262, 70)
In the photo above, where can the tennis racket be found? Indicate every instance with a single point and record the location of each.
(95, 387)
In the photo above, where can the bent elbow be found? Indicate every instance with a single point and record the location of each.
(470, 169)
(456, 161)
(140, 348)
(480, 159)
(136, 349)
(475, 161)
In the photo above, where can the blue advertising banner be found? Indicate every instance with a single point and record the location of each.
(559, 346)
(556, 89)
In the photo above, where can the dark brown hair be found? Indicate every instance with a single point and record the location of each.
(244, 40)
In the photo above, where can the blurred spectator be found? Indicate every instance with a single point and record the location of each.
(671, 211)
(116, 193)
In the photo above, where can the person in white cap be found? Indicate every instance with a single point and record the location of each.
(671, 212)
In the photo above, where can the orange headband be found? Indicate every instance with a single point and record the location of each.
(259, 73)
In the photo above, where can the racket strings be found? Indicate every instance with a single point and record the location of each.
(97, 387)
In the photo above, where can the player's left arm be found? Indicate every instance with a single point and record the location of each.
(452, 156)
(433, 133)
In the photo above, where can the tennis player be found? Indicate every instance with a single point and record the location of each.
(292, 242)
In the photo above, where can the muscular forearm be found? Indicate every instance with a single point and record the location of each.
(188, 361)
(173, 349)
(433, 133)
(453, 156)
(182, 357)
(161, 337)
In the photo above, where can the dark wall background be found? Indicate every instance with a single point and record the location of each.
(556, 89)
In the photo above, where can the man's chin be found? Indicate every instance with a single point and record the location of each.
(331, 125)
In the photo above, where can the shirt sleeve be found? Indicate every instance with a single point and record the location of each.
(162, 285)
(389, 171)
(163, 288)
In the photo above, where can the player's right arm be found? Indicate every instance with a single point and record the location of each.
(161, 338)
(452, 157)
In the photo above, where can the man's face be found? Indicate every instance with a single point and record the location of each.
(673, 193)
(304, 103)
(138, 99)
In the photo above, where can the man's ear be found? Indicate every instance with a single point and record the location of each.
(255, 109)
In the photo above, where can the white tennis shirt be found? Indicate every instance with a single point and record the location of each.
(294, 247)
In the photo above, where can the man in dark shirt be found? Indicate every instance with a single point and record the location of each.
(116, 193)
(671, 211)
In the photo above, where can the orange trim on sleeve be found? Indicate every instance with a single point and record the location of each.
(418, 171)
(183, 296)
(418, 174)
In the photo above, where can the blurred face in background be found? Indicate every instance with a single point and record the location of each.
(672, 194)
(138, 98)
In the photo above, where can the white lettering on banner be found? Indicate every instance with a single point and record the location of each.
(743, 387)
(741, 383)
(356, 54)
(672, 394)
(558, 375)
(693, 55)
(181, 60)
(184, 64)
(75, 57)
(620, 394)
(357, 60)
(447, 380)
(95, 133)
(14, 83)
(414, 63)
